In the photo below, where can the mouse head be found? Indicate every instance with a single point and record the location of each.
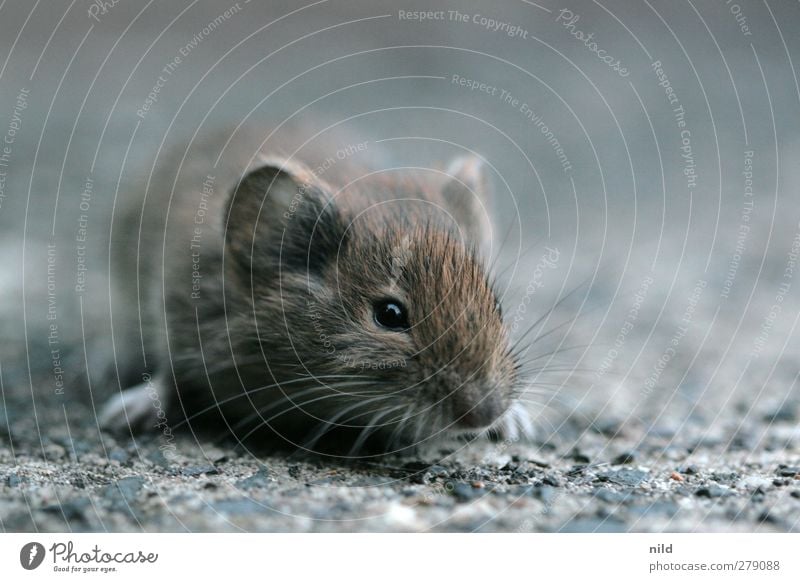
(376, 294)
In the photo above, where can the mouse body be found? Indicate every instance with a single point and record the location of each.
(300, 293)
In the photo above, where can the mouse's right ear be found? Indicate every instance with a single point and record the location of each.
(281, 215)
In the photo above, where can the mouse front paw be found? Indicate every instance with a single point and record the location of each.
(134, 409)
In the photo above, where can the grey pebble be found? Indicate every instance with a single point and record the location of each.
(258, 480)
(119, 455)
(785, 471)
(625, 458)
(197, 470)
(713, 492)
(627, 477)
(14, 480)
(464, 491)
(786, 413)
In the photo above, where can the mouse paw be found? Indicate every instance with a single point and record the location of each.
(135, 409)
(516, 424)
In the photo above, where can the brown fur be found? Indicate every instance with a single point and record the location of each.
(283, 333)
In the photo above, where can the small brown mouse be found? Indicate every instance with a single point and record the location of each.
(304, 295)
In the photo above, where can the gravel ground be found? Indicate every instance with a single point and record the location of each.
(607, 480)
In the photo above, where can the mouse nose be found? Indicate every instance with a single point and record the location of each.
(476, 411)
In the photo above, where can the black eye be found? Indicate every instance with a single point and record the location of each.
(391, 314)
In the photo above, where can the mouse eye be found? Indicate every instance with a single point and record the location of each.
(391, 314)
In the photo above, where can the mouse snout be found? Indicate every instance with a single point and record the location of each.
(474, 408)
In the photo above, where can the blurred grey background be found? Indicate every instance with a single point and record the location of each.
(666, 175)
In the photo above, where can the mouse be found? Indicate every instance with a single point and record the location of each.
(305, 296)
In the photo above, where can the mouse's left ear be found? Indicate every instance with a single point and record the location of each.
(467, 194)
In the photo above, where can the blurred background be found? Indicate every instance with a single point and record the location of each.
(654, 145)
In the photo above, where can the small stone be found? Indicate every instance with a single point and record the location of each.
(689, 470)
(627, 477)
(197, 470)
(675, 476)
(119, 455)
(713, 492)
(754, 482)
(786, 413)
(767, 517)
(14, 480)
(795, 493)
(438, 471)
(258, 480)
(478, 484)
(463, 491)
(625, 458)
(780, 482)
(552, 480)
(786, 471)
(581, 458)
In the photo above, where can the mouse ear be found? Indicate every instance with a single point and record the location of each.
(280, 214)
(467, 194)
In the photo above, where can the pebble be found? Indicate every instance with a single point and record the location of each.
(754, 482)
(626, 477)
(626, 458)
(552, 480)
(464, 491)
(786, 413)
(14, 480)
(786, 471)
(795, 493)
(713, 492)
(197, 470)
(580, 458)
(258, 480)
(119, 455)
(689, 470)
(675, 476)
